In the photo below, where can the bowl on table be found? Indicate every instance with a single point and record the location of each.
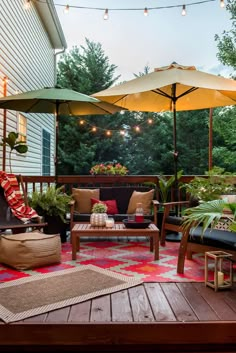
(135, 225)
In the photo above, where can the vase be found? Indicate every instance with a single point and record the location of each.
(98, 219)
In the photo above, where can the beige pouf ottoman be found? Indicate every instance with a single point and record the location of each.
(27, 250)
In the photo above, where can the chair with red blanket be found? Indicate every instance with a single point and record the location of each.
(15, 214)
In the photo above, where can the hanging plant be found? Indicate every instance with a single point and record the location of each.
(12, 142)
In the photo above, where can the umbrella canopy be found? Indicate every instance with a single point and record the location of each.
(172, 88)
(58, 101)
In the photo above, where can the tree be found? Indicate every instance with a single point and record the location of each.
(226, 43)
(85, 69)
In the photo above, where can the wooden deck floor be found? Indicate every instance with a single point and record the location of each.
(152, 317)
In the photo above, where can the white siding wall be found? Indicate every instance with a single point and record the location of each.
(27, 59)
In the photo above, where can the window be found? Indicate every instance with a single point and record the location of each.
(46, 153)
(22, 127)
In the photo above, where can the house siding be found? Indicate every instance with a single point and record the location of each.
(27, 58)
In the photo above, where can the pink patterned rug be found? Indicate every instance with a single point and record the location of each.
(128, 258)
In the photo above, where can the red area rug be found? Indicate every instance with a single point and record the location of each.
(128, 258)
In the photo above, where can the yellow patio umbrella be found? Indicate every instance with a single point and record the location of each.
(172, 88)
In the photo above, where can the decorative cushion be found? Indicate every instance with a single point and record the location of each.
(144, 197)
(83, 199)
(27, 250)
(111, 205)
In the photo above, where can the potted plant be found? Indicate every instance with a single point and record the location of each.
(99, 215)
(14, 144)
(53, 205)
(211, 187)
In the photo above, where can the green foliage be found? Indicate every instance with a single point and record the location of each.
(99, 208)
(52, 202)
(12, 141)
(165, 185)
(211, 187)
(209, 213)
(226, 43)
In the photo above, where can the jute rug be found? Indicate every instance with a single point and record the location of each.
(41, 293)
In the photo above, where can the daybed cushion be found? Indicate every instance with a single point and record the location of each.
(83, 199)
(28, 250)
(144, 197)
(218, 238)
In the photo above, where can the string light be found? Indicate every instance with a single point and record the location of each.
(106, 16)
(183, 13)
(145, 11)
(67, 8)
(110, 132)
(222, 4)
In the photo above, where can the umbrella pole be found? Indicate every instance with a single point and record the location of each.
(176, 196)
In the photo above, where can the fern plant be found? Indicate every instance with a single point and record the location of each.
(52, 202)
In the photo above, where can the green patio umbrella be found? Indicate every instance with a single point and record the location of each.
(58, 101)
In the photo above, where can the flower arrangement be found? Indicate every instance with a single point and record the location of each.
(109, 169)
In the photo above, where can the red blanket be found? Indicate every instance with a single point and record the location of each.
(14, 198)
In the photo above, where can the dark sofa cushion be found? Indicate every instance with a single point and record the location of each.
(218, 238)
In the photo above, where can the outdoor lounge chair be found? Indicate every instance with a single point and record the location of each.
(8, 220)
(171, 222)
(213, 240)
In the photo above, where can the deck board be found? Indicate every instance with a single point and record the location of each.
(152, 317)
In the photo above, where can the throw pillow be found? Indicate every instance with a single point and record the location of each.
(111, 205)
(144, 197)
(83, 197)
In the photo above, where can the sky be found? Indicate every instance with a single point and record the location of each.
(132, 41)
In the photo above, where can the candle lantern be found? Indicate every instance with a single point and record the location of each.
(222, 265)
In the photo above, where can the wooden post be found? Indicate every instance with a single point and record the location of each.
(210, 139)
(4, 125)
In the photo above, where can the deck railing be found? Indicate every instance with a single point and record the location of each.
(32, 183)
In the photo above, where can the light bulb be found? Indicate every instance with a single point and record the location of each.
(222, 4)
(27, 4)
(66, 9)
(150, 121)
(94, 129)
(183, 10)
(106, 16)
(145, 12)
(82, 122)
(108, 133)
(137, 128)
(122, 132)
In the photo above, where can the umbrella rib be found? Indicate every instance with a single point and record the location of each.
(164, 94)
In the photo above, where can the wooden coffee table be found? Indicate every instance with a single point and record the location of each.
(119, 229)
